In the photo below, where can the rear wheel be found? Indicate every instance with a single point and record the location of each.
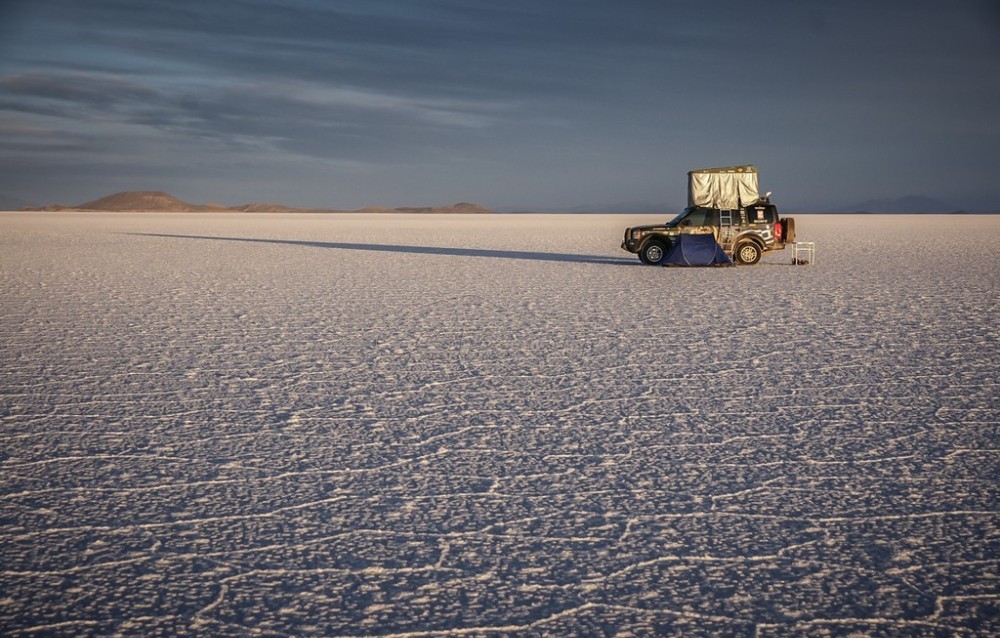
(748, 253)
(653, 253)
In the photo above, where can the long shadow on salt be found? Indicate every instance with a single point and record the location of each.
(420, 250)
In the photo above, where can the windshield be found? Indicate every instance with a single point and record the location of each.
(680, 216)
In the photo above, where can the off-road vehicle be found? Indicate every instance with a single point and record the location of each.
(723, 202)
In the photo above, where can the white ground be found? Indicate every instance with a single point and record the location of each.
(483, 425)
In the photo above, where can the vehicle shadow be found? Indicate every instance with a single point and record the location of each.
(421, 250)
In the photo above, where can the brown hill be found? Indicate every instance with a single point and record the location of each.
(266, 208)
(459, 208)
(139, 200)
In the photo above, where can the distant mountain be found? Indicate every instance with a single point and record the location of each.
(11, 203)
(158, 201)
(264, 208)
(464, 208)
(907, 204)
(140, 201)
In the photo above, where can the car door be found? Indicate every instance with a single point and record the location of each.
(698, 222)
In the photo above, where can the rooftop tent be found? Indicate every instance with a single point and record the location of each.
(696, 250)
(727, 187)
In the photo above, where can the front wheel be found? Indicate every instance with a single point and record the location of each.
(652, 253)
(748, 253)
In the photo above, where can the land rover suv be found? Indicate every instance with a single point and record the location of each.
(745, 234)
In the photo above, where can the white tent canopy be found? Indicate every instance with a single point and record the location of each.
(727, 187)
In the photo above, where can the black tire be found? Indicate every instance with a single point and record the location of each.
(748, 253)
(788, 230)
(653, 252)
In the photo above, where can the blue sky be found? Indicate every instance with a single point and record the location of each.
(514, 104)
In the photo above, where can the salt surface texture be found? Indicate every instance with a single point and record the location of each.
(480, 425)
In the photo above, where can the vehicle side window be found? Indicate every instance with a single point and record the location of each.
(697, 217)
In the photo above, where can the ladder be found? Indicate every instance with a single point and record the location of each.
(726, 229)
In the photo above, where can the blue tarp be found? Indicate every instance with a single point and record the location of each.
(696, 250)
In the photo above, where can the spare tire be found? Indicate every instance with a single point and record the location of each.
(788, 230)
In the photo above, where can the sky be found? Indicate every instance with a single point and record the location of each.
(512, 104)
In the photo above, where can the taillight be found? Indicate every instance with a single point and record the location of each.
(777, 231)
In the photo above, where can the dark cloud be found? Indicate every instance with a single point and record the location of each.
(598, 96)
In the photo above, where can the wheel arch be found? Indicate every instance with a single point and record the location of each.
(739, 239)
(663, 239)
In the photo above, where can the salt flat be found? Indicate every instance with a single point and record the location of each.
(340, 425)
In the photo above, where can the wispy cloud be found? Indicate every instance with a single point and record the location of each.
(84, 88)
(297, 116)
